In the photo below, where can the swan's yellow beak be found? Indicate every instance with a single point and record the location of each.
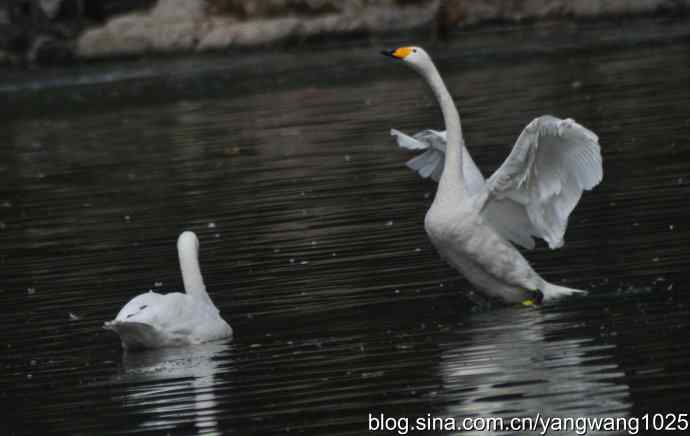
(398, 53)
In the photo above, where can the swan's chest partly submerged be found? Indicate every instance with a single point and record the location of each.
(467, 242)
(461, 235)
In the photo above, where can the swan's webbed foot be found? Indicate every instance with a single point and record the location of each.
(536, 298)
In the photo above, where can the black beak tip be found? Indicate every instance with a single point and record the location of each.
(388, 53)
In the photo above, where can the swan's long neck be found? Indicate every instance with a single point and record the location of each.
(452, 185)
(191, 271)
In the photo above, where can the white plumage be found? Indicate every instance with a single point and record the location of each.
(536, 188)
(531, 195)
(153, 320)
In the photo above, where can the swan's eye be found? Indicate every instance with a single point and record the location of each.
(414, 50)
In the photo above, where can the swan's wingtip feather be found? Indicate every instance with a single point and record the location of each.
(408, 142)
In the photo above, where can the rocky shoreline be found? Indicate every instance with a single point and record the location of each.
(61, 31)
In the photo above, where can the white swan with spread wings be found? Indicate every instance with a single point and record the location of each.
(472, 221)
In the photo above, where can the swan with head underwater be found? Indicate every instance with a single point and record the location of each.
(153, 320)
(472, 221)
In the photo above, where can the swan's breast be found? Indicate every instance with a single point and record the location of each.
(446, 225)
(462, 236)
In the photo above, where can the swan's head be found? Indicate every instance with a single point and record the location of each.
(415, 57)
(187, 242)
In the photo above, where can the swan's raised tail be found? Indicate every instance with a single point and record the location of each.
(135, 335)
(552, 292)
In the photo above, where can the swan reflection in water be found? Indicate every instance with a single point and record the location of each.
(531, 363)
(160, 383)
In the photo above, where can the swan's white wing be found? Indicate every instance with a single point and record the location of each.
(430, 163)
(409, 142)
(433, 138)
(508, 218)
(552, 162)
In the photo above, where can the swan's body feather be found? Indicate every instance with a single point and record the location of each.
(153, 320)
(465, 240)
(473, 221)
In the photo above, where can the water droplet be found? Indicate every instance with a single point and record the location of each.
(211, 225)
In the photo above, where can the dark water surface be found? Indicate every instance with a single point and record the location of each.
(312, 242)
